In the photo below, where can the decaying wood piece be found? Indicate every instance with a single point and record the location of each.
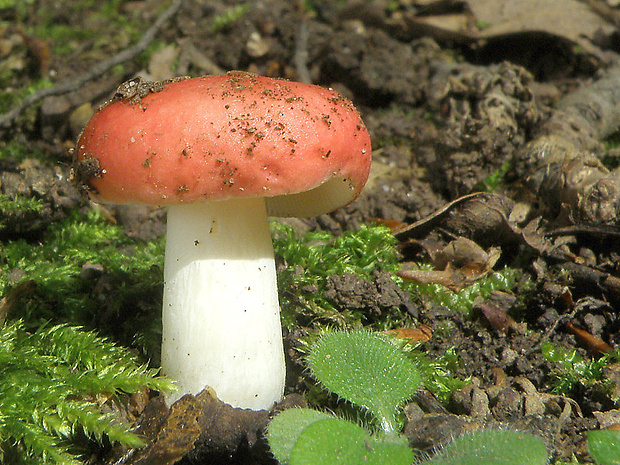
(563, 160)
(200, 427)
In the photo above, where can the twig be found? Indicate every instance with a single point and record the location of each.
(7, 119)
(301, 53)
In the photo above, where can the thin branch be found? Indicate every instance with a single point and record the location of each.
(301, 53)
(7, 119)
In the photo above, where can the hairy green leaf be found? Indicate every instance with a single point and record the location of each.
(493, 447)
(366, 369)
(604, 446)
(337, 441)
(285, 428)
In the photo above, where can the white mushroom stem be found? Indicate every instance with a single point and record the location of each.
(221, 319)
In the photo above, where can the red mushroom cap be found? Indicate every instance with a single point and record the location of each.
(220, 137)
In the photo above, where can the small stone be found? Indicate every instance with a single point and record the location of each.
(608, 418)
(91, 271)
(508, 404)
(257, 46)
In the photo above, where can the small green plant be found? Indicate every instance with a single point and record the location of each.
(369, 370)
(572, 370)
(51, 385)
(493, 182)
(437, 373)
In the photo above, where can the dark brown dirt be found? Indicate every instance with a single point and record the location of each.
(441, 125)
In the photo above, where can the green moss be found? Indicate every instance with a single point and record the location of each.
(64, 37)
(19, 208)
(10, 205)
(52, 375)
(463, 300)
(52, 382)
(128, 301)
(311, 259)
(572, 373)
(19, 150)
(438, 374)
(20, 5)
(9, 98)
(493, 182)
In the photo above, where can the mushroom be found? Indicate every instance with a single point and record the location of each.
(223, 153)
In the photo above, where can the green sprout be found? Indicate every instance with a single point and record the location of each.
(573, 371)
(368, 370)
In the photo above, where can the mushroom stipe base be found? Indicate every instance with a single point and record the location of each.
(221, 318)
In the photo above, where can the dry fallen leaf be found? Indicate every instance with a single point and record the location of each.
(199, 425)
(420, 334)
(462, 262)
(496, 317)
(595, 345)
(572, 20)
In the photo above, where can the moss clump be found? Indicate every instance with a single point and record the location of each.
(53, 376)
(11, 97)
(123, 301)
(18, 150)
(463, 300)
(228, 17)
(310, 260)
(52, 383)
(24, 205)
(572, 373)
